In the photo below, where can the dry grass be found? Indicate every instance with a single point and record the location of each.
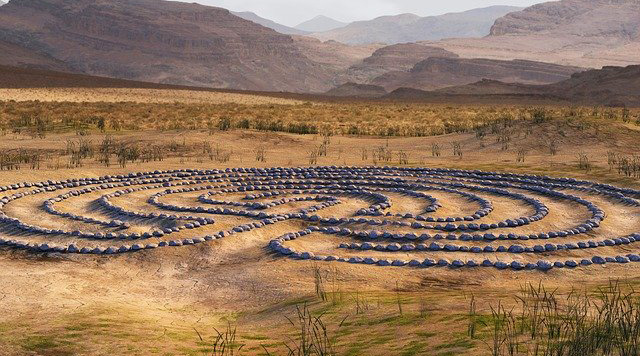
(150, 303)
(149, 96)
(381, 119)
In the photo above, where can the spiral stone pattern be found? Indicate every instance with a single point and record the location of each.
(454, 219)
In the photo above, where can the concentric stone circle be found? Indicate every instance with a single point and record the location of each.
(373, 229)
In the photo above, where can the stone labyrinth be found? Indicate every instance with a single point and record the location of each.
(382, 216)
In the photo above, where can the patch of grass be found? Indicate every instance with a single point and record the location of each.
(425, 334)
(456, 344)
(356, 348)
(413, 348)
(381, 339)
(254, 337)
(46, 345)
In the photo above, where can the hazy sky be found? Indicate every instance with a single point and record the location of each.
(292, 12)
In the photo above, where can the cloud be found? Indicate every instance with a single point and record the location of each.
(292, 12)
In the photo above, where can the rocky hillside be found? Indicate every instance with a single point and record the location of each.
(609, 86)
(159, 41)
(588, 18)
(16, 55)
(439, 72)
(585, 33)
(412, 28)
(398, 57)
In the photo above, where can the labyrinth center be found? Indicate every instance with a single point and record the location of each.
(380, 216)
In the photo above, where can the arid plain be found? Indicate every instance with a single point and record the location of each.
(171, 301)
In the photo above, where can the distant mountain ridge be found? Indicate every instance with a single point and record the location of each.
(320, 23)
(158, 41)
(609, 86)
(440, 72)
(412, 28)
(189, 44)
(445, 69)
(585, 33)
(588, 18)
(253, 17)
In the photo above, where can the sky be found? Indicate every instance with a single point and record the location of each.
(293, 12)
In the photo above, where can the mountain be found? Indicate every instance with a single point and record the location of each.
(492, 87)
(336, 56)
(585, 33)
(588, 18)
(250, 16)
(609, 86)
(355, 90)
(12, 54)
(398, 57)
(412, 28)
(17, 77)
(439, 72)
(159, 41)
(320, 24)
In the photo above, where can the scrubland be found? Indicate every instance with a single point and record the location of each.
(232, 294)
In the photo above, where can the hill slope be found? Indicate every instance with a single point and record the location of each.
(354, 90)
(320, 24)
(398, 57)
(412, 28)
(250, 16)
(160, 41)
(585, 33)
(610, 86)
(440, 72)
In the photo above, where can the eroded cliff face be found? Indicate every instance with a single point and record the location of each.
(398, 57)
(161, 41)
(588, 18)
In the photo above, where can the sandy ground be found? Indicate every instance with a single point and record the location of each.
(159, 301)
(154, 301)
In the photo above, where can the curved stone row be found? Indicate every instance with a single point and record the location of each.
(154, 200)
(260, 189)
(278, 246)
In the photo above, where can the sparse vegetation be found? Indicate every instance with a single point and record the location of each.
(545, 323)
(111, 138)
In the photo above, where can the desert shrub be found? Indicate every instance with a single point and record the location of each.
(539, 116)
(584, 163)
(224, 124)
